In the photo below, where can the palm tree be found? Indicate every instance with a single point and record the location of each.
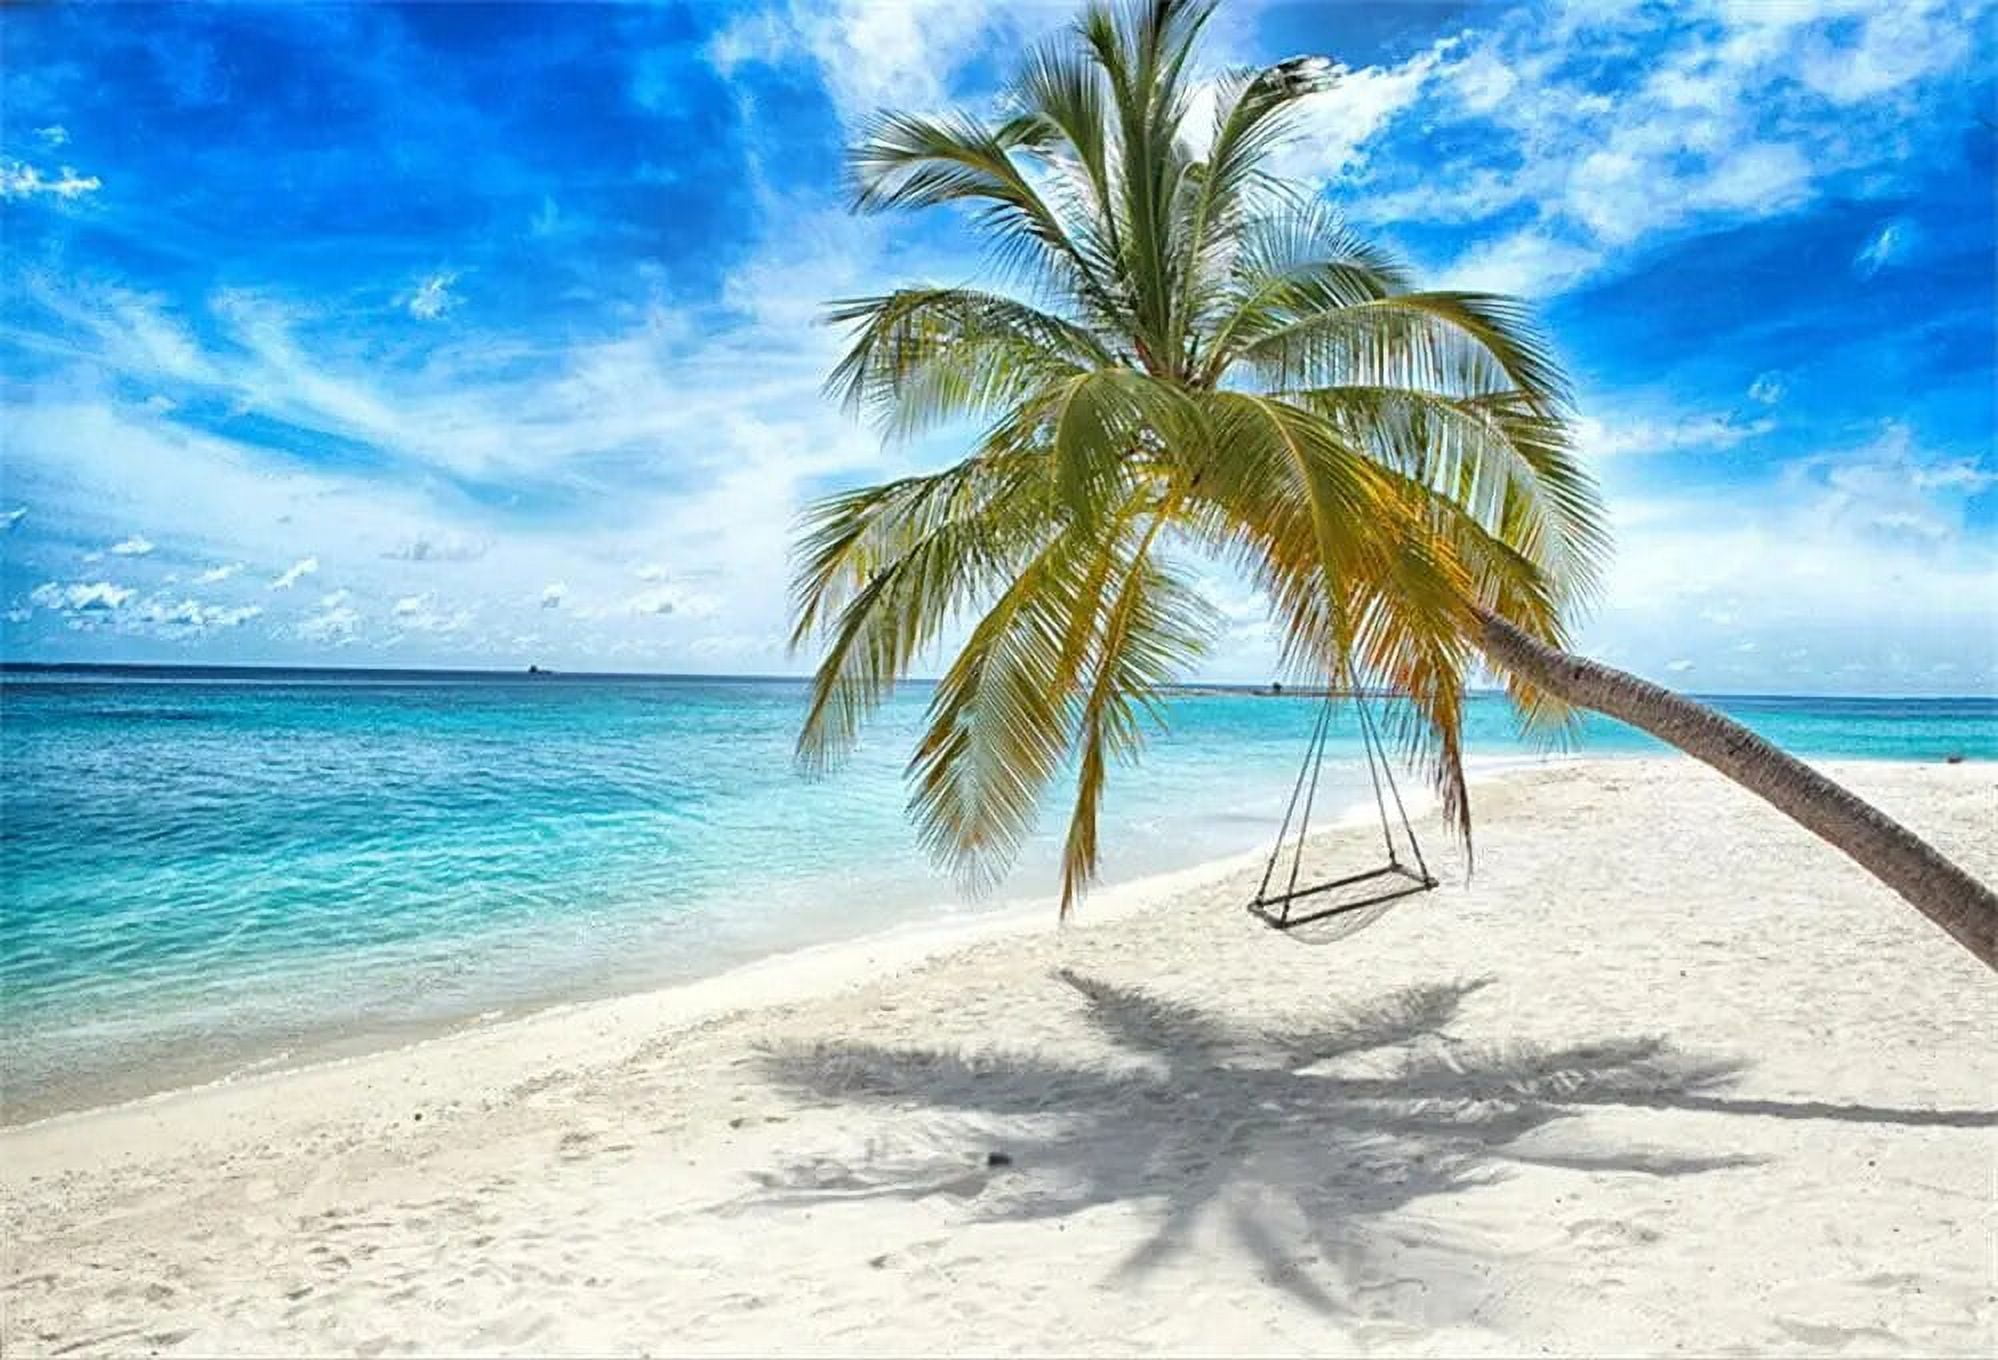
(1197, 361)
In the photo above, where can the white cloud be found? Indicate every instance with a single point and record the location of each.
(654, 602)
(1761, 179)
(1482, 80)
(137, 545)
(419, 615)
(1767, 389)
(759, 37)
(1889, 486)
(217, 574)
(872, 55)
(1893, 46)
(1527, 262)
(1961, 474)
(415, 615)
(1626, 429)
(658, 388)
(432, 297)
(337, 626)
(741, 454)
(190, 616)
(292, 574)
(1887, 246)
(675, 599)
(21, 180)
(81, 596)
(728, 406)
(447, 547)
(55, 134)
(1335, 126)
(553, 594)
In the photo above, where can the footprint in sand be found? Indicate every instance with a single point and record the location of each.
(1838, 1338)
(1612, 1232)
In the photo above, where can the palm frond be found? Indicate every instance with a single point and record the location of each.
(911, 161)
(881, 571)
(1296, 262)
(1103, 425)
(1498, 458)
(1003, 717)
(1254, 114)
(1466, 343)
(920, 357)
(1148, 633)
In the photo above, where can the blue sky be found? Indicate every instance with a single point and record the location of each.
(476, 336)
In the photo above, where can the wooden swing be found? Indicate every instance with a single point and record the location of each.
(1297, 905)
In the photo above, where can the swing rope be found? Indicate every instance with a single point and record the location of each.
(1367, 889)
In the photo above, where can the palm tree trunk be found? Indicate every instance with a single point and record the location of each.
(1882, 846)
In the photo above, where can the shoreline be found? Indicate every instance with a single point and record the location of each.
(1665, 1067)
(903, 943)
(792, 975)
(828, 964)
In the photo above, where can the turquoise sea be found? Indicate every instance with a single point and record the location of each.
(208, 871)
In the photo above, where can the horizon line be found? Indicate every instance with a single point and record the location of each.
(253, 669)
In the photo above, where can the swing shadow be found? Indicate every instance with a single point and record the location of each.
(1305, 1159)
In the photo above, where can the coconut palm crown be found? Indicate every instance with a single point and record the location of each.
(1181, 360)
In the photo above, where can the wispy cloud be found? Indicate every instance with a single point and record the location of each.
(294, 573)
(1889, 245)
(432, 297)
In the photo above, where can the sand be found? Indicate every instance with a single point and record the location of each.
(1667, 1075)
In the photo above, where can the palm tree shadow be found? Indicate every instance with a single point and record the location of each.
(1305, 1139)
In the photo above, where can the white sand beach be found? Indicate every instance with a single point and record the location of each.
(1666, 1076)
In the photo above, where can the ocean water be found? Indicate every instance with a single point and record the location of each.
(203, 873)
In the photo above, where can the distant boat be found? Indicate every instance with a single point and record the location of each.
(536, 670)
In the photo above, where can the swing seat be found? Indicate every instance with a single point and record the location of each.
(1355, 892)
